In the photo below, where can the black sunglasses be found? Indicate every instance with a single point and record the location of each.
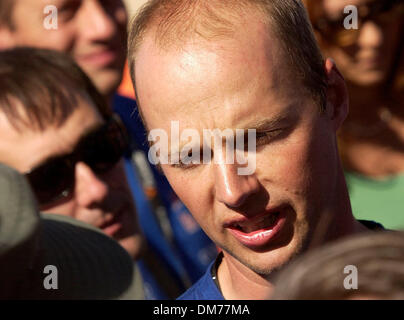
(100, 149)
(383, 11)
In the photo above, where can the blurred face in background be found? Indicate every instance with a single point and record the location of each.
(364, 55)
(92, 31)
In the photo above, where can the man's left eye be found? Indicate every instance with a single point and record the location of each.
(188, 160)
(266, 137)
(184, 165)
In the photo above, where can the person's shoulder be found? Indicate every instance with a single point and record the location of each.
(127, 109)
(204, 289)
(122, 101)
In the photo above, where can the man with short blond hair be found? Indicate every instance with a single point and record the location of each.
(251, 65)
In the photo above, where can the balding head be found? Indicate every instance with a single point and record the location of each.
(173, 23)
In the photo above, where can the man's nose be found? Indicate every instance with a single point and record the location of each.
(89, 189)
(95, 23)
(231, 188)
(371, 35)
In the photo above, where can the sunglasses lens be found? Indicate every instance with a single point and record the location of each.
(104, 148)
(384, 12)
(51, 180)
(100, 150)
(392, 13)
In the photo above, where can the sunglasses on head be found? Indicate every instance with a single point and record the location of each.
(101, 149)
(381, 11)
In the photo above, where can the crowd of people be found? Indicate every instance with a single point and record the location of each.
(78, 191)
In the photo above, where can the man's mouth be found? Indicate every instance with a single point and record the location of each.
(262, 223)
(112, 226)
(100, 58)
(258, 232)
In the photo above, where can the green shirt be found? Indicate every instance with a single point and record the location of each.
(378, 200)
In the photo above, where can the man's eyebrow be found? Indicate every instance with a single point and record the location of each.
(260, 125)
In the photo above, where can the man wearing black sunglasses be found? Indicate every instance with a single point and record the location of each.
(63, 138)
(93, 32)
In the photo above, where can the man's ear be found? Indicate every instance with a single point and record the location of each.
(7, 38)
(337, 95)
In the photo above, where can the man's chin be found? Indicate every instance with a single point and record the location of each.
(134, 245)
(266, 261)
(263, 263)
(271, 256)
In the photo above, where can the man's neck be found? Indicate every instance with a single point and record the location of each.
(238, 282)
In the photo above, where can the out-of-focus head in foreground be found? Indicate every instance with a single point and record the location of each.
(55, 257)
(366, 266)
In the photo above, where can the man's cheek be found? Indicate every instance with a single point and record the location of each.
(193, 196)
(286, 167)
(185, 191)
(297, 178)
(64, 208)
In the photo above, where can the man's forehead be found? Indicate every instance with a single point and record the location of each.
(41, 145)
(34, 8)
(178, 80)
(252, 32)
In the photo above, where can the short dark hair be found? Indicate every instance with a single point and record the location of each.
(39, 88)
(6, 12)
